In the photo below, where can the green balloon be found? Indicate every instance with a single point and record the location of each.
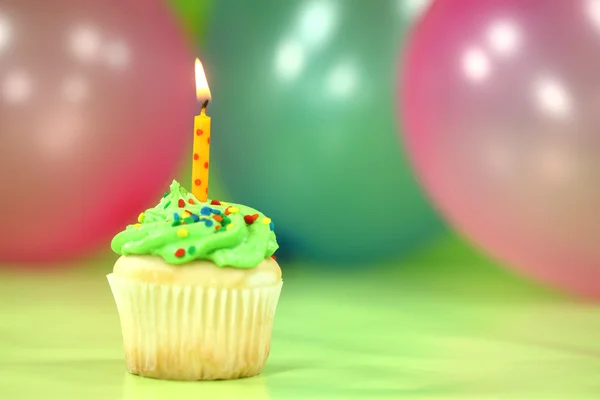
(304, 123)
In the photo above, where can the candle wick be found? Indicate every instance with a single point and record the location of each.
(204, 105)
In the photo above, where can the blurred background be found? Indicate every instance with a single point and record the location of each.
(432, 149)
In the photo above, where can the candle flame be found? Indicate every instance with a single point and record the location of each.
(202, 89)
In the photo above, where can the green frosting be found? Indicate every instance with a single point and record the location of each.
(218, 233)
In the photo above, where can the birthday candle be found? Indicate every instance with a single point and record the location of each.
(201, 157)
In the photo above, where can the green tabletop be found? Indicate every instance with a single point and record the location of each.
(433, 326)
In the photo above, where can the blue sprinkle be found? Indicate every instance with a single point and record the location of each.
(215, 211)
(175, 216)
(208, 223)
(205, 211)
(195, 217)
(272, 225)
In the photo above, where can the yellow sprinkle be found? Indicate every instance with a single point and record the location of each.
(137, 225)
(233, 210)
(182, 233)
(204, 217)
(141, 217)
(266, 221)
(230, 226)
(188, 212)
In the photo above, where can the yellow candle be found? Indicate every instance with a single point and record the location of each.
(201, 157)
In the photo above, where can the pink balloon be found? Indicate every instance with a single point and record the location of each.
(501, 100)
(96, 106)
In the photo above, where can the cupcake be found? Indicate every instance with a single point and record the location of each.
(196, 289)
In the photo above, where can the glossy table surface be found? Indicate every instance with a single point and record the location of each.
(429, 327)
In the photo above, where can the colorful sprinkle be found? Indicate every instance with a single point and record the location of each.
(176, 223)
(266, 221)
(189, 220)
(215, 211)
(203, 217)
(137, 226)
(192, 250)
(196, 156)
(233, 210)
(199, 132)
(195, 217)
(191, 201)
(181, 203)
(218, 218)
(217, 228)
(206, 165)
(205, 211)
(197, 182)
(182, 233)
(187, 213)
(226, 220)
(141, 217)
(230, 226)
(227, 211)
(272, 225)
(165, 195)
(180, 253)
(250, 218)
(215, 203)
(176, 217)
(208, 223)
(273, 257)
(168, 204)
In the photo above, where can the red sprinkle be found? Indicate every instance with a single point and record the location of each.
(180, 253)
(274, 258)
(206, 164)
(208, 140)
(215, 203)
(181, 203)
(196, 156)
(191, 201)
(250, 218)
(198, 182)
(199, 132)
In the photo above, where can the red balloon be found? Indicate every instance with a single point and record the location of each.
(96, 102)
(501, 106)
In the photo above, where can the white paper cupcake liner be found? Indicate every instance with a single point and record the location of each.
(193, 332)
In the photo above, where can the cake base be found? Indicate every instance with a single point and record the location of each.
(194, 333)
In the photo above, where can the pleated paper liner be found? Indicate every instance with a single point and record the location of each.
(192, 332)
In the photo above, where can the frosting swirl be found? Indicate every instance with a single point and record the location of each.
(181, 229)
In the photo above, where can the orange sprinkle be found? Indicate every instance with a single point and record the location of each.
(218, 218)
